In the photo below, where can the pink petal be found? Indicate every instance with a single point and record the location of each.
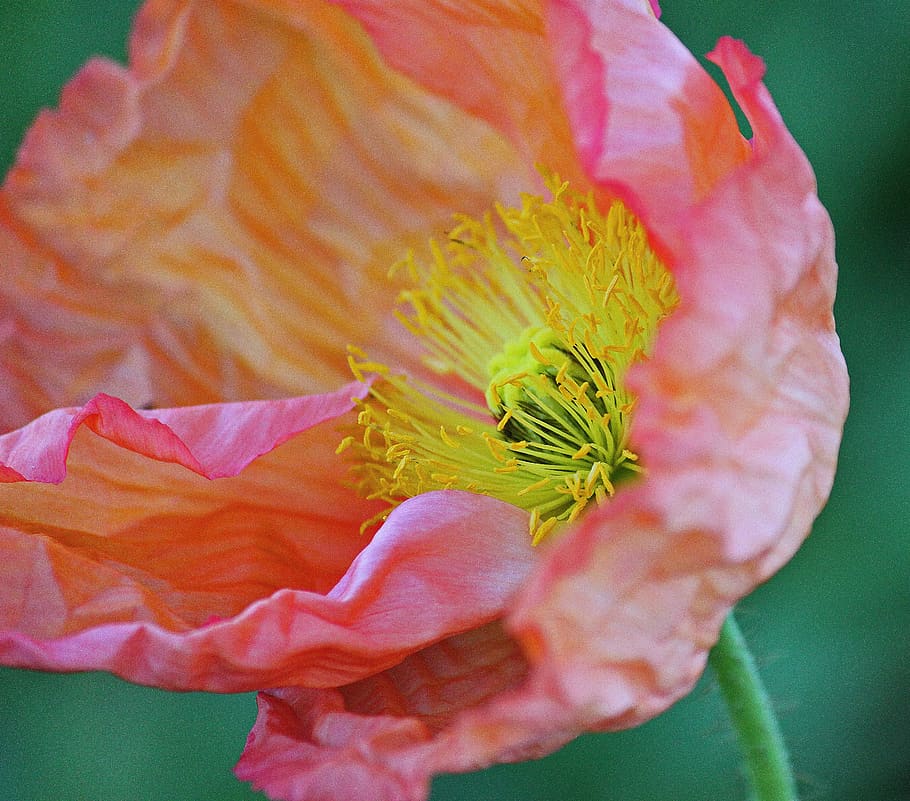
(124, 590)
(459, 705)
(374, 738)
(305, 747)
(214, 441)
(130, 535)
(198, 227)
(669, 134)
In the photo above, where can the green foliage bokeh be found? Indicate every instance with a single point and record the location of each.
(830, 630)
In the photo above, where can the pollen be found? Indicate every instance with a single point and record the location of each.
(530, 318)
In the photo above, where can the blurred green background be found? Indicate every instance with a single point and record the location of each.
(830, 631)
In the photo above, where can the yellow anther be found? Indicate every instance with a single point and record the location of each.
(583, 451)
(608, 292)
(581, 392)
(444, 436)
(594, 474)
(573, 483)
(401, 466)
(496, 447)
(535, 352)
(504, 420)
(541, 531)
(360, 368)
(537, 485)
(553, 317)
(576, 510)
(396, 451)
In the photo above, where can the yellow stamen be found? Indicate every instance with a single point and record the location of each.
(504, 420)
(444, 436)
(344, 445)
(583, 451)
(542, 311)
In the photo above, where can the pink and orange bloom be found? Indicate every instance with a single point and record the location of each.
(191, 244)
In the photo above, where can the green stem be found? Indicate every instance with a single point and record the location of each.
(757, 730)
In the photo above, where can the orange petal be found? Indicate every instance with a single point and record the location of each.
(134, 529)
(216, 222)
(136, 565)
(484, 56)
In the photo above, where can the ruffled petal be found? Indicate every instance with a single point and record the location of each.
(375, 737)
(661, 134)
(144, 569)
(128, 533)
(305, 747)
(216, 222)
(459, 705)
(214, 441)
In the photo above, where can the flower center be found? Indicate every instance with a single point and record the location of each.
(531, 322)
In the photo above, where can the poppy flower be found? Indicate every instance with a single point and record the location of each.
(607, 407)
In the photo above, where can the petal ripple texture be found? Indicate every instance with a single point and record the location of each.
(190, 243)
